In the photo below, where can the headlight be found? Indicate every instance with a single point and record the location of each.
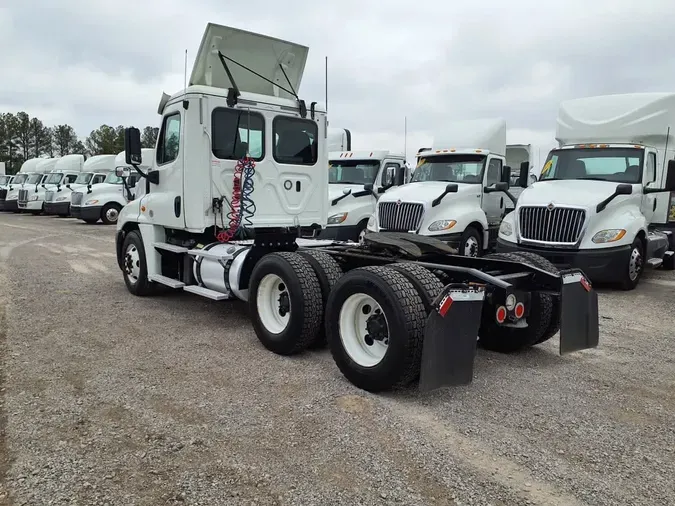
(442, 225)
(33, 198)
(332, 220)
(609, 235)
(505, 228)
(372, 223)
(94, 201)
(59, 199)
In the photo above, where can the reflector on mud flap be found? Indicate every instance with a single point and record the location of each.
(579, 327)
(450, 337)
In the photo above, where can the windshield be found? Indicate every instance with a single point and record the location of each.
(619, 165)
(34, 179)
(455, 168)
(4, 180)
(353, 171)
(54, 178)
(112, 178)
(19, 179)
(84, 178)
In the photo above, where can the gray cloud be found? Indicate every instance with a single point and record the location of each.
(90, 63)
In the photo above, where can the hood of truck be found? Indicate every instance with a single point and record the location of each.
(575, 192)
(427, 192)
(335, 190)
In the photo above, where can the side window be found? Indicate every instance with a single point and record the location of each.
(169, 139)
(70, 178)
(295, 140)
(389, 173)
(494, 172)
(650, 172)
(236, 133)
(98, 178)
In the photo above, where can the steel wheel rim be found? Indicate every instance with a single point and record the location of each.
(270, 299)
(111, 214)
(362, 236)
(471, 247)
(132, 264)
(635, 264)
(353, 318)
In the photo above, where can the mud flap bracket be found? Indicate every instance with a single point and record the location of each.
(450, 337)
(579, 324)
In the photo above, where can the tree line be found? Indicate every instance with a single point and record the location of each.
(23, 137)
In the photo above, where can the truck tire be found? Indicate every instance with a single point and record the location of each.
(328, 271)
(540, 262)
(110, 213)
(285, 302)
(470, 243)
(427, 285)
(135, 267)
(386, 355)
(631, 275)
(495, 337)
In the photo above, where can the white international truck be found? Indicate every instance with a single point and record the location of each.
(240, 171)
(458, 192)
(31, 196)
(603, 197)
(100, 199)
(356, 179)
(5, 181)
(11, 195)
(75, 176)
(64, 172)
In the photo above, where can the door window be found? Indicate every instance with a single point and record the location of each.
(236, 133)
(169, 139)
(494, 172)
(295, 140)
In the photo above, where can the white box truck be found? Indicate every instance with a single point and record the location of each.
(458, 190)
(603, 197)
(240, 172)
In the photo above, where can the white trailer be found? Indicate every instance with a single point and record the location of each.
(603, 198)
(458, 192)
(240, 172)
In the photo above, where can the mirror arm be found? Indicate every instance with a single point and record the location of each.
(510, 195)
(338, 199)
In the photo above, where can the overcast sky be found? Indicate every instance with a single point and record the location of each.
(87, 63)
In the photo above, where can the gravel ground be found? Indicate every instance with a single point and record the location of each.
(112, 399)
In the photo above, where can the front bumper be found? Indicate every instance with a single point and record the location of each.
(602, 265)
(11, 205)
(31, 205)
(60, 208)
(340, 233)
(86, 213)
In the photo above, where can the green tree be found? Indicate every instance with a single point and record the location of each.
(149, 137)
(9, 152)
(105, 140)
(24, 134)
(65, 140)
(40, 138)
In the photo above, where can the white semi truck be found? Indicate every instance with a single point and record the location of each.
(240, 172)
(101, 200)
(57, 197)
(458, 192)
(11, 195)
(5, 181)
(518, 158)
(65, 171)
(603, 197)
(31, 196)
(339, 139)
(356, 180)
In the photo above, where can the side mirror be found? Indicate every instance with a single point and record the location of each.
(400, 175)
(506, 173)
(670, 176)
(346, 191)
(132, 146)
(502, 186)
(624, 189)
(524, 171)
(451, 188)
(153, 176)
(390, 176)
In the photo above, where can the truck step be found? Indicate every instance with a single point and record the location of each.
(173, 283)
(169, 247)
(655, 262)
(205, 254)
(205, 292)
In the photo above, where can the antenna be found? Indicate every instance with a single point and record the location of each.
(405, 136)
(326, 83)
(185, 74)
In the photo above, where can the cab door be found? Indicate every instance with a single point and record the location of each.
(648, 202)
(493, 202)
(164, 200)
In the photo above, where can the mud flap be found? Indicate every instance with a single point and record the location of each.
(579, 326)
(450, 337)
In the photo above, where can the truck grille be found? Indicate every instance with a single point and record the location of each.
(400, 216)
(3, 194)
(23, 196)
(49, 196)
(558, 225)
(76, 198)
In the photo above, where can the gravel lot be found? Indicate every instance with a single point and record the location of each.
(112, 399)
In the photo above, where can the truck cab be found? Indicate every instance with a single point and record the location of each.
(356, 181)
(457, 192)
(602, 200)
(518, 158)
(85, 197)
(66, 174)
(5, 182)
(31, 197)
(11, 195)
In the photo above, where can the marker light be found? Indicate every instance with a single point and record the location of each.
(519, 310)
(501, 314)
